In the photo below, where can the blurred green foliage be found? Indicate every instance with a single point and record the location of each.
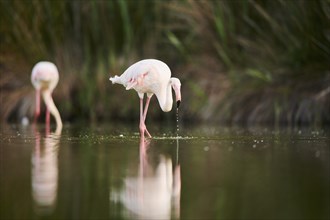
(271, 56)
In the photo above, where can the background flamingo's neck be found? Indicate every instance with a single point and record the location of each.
(47, 96)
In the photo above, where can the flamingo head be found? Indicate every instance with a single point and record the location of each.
(176, 85)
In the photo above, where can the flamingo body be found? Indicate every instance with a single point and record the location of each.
(150, 76)
(44, 78)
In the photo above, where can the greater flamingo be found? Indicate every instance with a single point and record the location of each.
(152, 77)
(44, 79)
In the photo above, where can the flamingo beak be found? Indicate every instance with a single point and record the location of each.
(176, 85)
(178, 96)
(178, 103)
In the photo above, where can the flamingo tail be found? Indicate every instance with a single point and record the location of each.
(115, 79)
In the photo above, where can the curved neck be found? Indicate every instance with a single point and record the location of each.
(165, 97)
(47, 96)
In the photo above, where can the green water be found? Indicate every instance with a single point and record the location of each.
(108, 172)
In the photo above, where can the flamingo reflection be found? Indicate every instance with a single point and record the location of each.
(45, 171)
(154, 193)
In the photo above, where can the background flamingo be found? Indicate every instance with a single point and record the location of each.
(44, 79)
(152, 77)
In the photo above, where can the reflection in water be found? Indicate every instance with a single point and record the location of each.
(265, 174)
(45, 171)
(154, 193)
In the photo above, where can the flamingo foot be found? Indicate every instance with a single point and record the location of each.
(143, 129)
(149, 135)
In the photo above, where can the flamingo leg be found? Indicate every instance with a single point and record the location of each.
(149, 135)
(145, 113)
(143, 127)
(37, 109)
(146, 108)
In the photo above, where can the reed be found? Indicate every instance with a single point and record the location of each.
(88, 40)
(270, 56)
(267, 50)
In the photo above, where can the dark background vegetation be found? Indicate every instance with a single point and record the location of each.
(245, 61)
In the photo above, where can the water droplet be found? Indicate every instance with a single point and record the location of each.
(177, 122)
(206, 148)
(254, 146)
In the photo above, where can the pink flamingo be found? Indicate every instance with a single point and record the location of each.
(152, 77)
(44, 79)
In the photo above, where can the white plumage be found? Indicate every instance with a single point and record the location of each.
(44, 78)
(150, 76)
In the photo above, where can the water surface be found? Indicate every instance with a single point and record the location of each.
(207, 172)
